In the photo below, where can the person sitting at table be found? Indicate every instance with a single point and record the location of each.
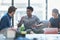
(30, 21)
(6, 19)
(54, 22)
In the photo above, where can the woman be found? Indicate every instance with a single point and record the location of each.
(54, 21)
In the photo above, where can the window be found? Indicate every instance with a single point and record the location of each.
(21, 9)
(51, 5)
(6, 2)
(39, 8)
(4, 5)
(38, 5)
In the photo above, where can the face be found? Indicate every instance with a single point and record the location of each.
(12, 13)
(29, 12)
(54, 14)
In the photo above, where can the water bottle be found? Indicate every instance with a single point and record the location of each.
(22, 28)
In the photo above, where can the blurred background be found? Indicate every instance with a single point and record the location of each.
(42, 8)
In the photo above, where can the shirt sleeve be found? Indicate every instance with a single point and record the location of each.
(37, 20)
(59, 22)
(21, 22)
(59, 19)
(50, 20)
(4, 23)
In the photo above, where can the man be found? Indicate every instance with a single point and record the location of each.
(30, 21)
(6, 19)
(54, 22)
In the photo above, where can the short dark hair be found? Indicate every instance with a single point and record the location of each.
(11, 9)
(31, 8)
(55, 11)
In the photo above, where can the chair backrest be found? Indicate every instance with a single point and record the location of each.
(45, 22)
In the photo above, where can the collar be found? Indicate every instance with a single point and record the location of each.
(9, 15)
(30, 17)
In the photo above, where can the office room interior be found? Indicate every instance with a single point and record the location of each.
(29, 20)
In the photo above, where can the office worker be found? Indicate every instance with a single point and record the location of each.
(6, 19)
(30, 21)
(54, 21)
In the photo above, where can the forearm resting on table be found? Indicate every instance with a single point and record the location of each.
(40, 24)
(49, 25)
(19, 24)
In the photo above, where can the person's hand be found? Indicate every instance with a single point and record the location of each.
(22, 18)
(13, 28)
(32, 32)
(40, 25)
(34, 26)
